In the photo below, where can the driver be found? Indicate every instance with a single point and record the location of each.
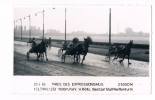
(33, 43)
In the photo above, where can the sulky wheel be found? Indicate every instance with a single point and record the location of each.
(60, 52)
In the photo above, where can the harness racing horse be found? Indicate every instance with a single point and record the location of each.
(123, 52)
(82, 49)
(70, 49)
(39, 50)
(79, 49)
(115, 50)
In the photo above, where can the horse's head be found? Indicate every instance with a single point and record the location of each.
(88, 40)
(129, 45)
(75, 40)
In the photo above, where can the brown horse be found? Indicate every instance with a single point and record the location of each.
(39, 50)
(78, 49)
(123, 52)
(70, 49)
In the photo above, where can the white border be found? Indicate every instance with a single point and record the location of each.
(6, 18)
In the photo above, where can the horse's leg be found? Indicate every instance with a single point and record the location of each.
(83, 59)
(28, 55)
(129, 59)
(74, 58)
(63, 57)
(46, 56)
(41, 56)
(37, 56)
(78, 59)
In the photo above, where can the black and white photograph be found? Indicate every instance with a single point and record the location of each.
(82, 41)
(78, 48)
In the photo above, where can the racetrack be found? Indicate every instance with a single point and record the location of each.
(94, 65)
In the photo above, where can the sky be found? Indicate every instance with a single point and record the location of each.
(88, 19)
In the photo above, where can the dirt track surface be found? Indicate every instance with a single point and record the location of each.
(94, 65)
